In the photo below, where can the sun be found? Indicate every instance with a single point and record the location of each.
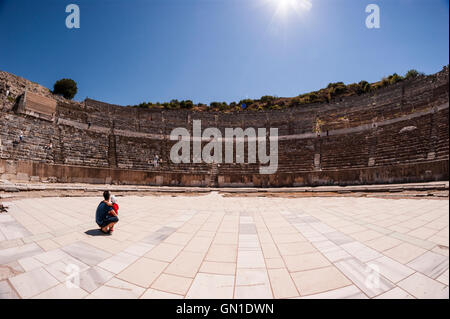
(284, 7)
(285, 4)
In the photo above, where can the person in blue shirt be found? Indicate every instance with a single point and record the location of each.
(106, 217)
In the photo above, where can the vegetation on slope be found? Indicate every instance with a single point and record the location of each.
(326, 95)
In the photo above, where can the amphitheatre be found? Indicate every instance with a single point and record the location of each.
(361, 192)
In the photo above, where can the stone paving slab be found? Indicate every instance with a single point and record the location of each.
(226, 247)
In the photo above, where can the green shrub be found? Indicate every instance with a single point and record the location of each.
(352, 88)
(376, 86)
(65, 87)
(412, 74)
(188, 104)
(267, 99)
(223, 106)
(336, 89)
(340, 89)
(384, 82)
(335, 84)
(313, 97)
(145, 105)
(302, 99)
(394, 78)
(262, 107)
(363, 87)
(175, 104)
(219, 105)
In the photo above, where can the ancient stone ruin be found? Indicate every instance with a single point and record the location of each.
(397, 134)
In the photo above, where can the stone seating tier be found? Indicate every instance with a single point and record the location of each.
(403, 125)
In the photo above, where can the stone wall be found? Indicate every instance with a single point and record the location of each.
(393, 135)
(37, 106)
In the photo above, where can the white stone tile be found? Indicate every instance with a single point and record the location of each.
(413, 240)
(391, 269)
(282, 284)
(117, 289)
(62, 291)
(51, 256)
(430, 264)
(156, 294)
(326, 245)
(443, 278)
(15, 253)
(396, 293)
(208, 286)
(250, 259)
(361, 251)
(33, 282)
(250, 277)
(29, 263)
(423, 287)
(13, 230)
(322, 228)
(319, 280)
(118, 262)
(88, 254)
(143, 272)
(339, 238)
(349, 292)
(363, 276)
(139, 249)
(258, 291)
(93, 278)
(65, 268)
(6, 291)
(336, 255)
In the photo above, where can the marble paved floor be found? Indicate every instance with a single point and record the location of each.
(226, 247)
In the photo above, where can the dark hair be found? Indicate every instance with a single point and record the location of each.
(106, 195)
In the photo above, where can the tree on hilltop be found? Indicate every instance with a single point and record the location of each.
(65, 87)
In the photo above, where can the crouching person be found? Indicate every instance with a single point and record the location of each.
(106, 217)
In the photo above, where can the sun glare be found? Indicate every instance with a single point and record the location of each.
(284, 7)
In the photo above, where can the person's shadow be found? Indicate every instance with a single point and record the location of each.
(95, 232)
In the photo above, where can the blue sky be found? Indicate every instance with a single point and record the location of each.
(129, 51)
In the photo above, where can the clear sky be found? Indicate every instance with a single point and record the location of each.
(130, 51)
